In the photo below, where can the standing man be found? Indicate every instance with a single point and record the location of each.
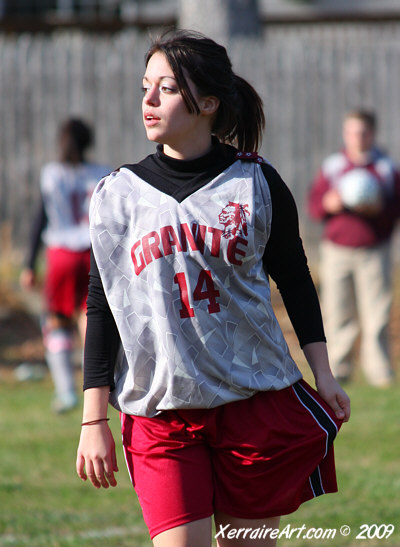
(356, 194)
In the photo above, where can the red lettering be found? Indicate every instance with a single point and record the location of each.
(201, 237)
(188, 236)
(216, 240)
(186, 310)
(150, 249)
(233, 250)
(210, 293)
(169, 238)
(138, 267)
(155, 245)
(77, 201)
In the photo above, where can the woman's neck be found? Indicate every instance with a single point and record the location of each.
(189, 150)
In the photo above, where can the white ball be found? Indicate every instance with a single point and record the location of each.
(359, 187)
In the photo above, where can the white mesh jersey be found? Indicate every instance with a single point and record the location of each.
(188, 292)
(66, 192)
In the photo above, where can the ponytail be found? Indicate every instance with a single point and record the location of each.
(240, 120)
(240, 117)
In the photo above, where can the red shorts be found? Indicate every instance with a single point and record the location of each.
(67, 281)
(255, 458)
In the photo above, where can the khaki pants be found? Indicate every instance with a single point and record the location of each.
(356, 295)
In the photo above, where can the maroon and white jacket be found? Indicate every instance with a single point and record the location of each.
(348, 228)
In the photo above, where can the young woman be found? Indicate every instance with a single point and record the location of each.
(181, 336)
(62, 223)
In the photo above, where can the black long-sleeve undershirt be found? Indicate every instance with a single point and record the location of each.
(284, 258)
(35, 241)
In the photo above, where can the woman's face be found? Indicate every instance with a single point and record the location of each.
(165, 115)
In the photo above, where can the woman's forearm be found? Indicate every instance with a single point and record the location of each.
(316, 354)
(327, 386)
(95, 403)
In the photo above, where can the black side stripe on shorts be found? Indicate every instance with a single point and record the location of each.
(316, 483)
(317, 411)
(325, 422)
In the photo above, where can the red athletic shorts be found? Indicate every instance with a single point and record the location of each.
(67, 280)
(255, 458)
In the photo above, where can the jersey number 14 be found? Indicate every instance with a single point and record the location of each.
(204, 290)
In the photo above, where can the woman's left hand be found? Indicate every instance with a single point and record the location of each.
(327, 386)
(334, 395)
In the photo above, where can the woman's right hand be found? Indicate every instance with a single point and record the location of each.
(27, 279)
(96, 455)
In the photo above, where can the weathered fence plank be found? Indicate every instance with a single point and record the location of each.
(307, 74)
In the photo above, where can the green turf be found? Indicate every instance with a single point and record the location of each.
(43, 503)
(367, 456)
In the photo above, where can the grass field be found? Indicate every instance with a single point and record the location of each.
(43, 503)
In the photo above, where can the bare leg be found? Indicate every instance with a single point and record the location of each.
(193, 534)
(58, 343)
(245, 532)
(81, 322)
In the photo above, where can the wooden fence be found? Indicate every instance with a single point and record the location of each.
(307, 74)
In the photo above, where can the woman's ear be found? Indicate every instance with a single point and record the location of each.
(208, 105)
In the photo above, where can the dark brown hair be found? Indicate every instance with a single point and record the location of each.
(240, 117)
(75, 137)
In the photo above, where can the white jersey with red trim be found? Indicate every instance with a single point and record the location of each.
(186, 285)
(66, 192)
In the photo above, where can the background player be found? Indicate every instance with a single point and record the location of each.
(183, 243)
(355, 252)
(62, 223)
